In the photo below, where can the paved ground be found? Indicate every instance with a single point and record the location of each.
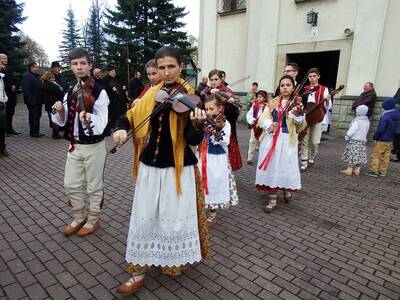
(339, 239)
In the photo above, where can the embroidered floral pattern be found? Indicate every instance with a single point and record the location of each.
(203, 236)
(201, 217)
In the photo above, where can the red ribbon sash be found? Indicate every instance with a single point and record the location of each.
(264, 164)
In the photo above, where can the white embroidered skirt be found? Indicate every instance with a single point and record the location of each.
(163, 229)
(283, 169)
(217, 180)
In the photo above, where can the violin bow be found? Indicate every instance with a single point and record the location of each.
(153, 113)
(53, 111)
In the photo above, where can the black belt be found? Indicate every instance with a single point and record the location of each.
(87, 142)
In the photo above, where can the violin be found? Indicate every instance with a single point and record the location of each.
(73, 94)
(226, 97)
(86, 101)
(214, 125)
(175, 96)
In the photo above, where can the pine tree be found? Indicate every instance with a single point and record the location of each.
(71, 37)
(138, 28)
(94, 38)
(10, 39)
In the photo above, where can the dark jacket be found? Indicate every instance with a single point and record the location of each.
(9, 81)
(51, 93)
(135, 87)
(117, 106)
(388, 122)
(61, 81)
(31, 85)
(368, 99)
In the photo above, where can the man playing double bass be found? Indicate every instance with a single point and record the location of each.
(312, 137)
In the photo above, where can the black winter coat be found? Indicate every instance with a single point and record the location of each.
(31, 85)
(51, 93)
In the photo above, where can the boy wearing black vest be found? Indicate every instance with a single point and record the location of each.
(84, 113)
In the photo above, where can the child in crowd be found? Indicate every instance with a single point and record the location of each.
(252, 116)
(383, 138)
(252, 94)
(213, 160)
(355, 153)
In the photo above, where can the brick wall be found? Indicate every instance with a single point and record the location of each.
(342, 115)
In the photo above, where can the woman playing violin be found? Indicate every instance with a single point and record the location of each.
(278, 167)
(84, 112)
(167, 226)
(231, 111)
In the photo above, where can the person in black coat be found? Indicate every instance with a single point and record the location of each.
(52, 92)
(55, 69)
(135, 86)
(11, 88)
(367, 97)
(117, 96)
(31, 86)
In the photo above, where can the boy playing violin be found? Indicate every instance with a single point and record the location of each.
(84, 113)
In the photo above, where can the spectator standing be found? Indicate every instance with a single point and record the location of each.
(31, 86)
(56, 70)
(135, 86)
(396, 141)
(10, 88)
(367, 97)
(52, 92)
(3, 117)
(383, 138)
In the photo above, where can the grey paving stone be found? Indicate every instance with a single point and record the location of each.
(338, 239)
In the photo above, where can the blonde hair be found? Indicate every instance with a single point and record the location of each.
(48, 76)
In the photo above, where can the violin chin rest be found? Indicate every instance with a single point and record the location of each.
(161, 96)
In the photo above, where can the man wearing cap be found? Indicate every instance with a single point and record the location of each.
(252, 118)
(55, 69)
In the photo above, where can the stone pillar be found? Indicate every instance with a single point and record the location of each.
(368, 34)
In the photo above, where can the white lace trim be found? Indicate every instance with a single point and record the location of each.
(161, 249)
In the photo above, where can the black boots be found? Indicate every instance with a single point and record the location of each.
(3, 150)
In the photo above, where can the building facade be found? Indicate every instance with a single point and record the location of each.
(353, 41)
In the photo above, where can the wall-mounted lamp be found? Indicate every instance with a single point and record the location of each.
(312, 17)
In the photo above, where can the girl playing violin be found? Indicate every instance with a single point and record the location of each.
(167, 226)
(84, 114)
(278, 167)
(213, 163)
(231, 112)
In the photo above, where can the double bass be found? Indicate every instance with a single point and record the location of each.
(315, 112)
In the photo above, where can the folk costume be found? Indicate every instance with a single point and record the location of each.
(231, 113)
(312, 138)
(252, 116)
(215, 171)
(167, 227)
(278, 167)
(85, 159)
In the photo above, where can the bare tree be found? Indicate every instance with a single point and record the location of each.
(34, 51)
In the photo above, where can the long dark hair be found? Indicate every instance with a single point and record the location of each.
(169, 51)
(291, 80)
